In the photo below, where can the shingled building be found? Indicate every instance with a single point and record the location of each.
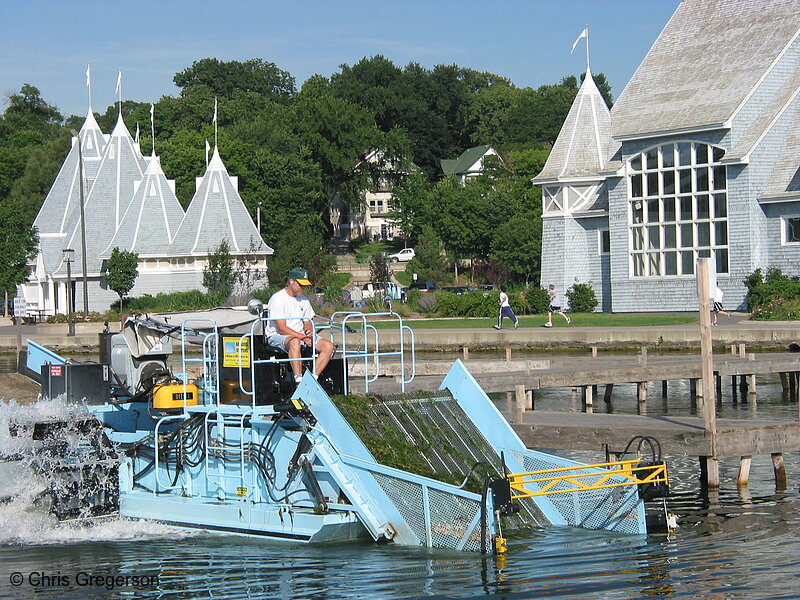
(131, 205)
(699, 157)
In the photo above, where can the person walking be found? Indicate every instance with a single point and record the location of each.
(555, 307)
(505, 311)
(716, 307)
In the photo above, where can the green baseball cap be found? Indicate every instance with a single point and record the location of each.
(299, 275)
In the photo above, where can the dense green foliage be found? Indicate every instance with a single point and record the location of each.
(582, 298)
(773, 296)
(219, 274)
(121, 272)
(295, 152)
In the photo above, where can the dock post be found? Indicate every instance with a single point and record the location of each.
(508, 354)
(587, 398)
(520, 399)
(751, 387)
(643, 357)
(784, 381)
(594, 351)
(466, 353)
(780, 471)
(792, 386)
(641, 392)
(744, 471)
(742, 350)
(709, 473)
(607, 393)
(530, 399)
(733, 349)
(707, 360)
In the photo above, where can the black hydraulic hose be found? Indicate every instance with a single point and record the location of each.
(484, 514)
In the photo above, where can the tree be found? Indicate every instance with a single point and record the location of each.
(379, 270)
(224, 78)
(218, 274)
(430, 260)
(18, 241)
(121, 272)
(302, 245)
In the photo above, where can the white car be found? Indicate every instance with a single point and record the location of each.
(405, 255)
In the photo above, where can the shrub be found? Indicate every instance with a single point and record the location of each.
(773, 296)
(176, 301)
(582, 298)
(537, 299)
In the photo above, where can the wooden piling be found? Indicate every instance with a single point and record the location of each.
(607, 393)
(594, 351)
(707, 361)
(466, 353)
(508, 354)
(780, 471)
(588, 398)
(744, 471)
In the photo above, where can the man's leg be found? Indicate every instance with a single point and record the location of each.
(293, 350)
(325, 350)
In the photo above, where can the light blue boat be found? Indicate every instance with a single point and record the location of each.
(226, 444)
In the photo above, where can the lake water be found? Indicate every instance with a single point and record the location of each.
(729, 546)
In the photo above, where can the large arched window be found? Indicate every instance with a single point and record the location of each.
(677, 209)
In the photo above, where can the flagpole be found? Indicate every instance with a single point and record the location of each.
(89, 84)
(587, 49)
(153, 126)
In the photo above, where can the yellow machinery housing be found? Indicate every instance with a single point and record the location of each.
(174, 395)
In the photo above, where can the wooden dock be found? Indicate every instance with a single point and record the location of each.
(677, 435)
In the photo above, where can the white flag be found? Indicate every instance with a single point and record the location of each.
(584, 34)
(118, 91)
(88, 75)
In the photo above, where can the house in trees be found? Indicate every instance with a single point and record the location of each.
(370, 218)
(699, 157)
(471, 163)
(130, 204)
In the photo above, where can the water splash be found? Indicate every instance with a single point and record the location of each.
(38, 474)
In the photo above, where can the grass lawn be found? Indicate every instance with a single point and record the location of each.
(578, 320)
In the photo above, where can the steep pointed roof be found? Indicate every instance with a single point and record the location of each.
(60, 210)
(152, 218)
(121, 167)
(217, 213)
(704, 64)
(584, 144)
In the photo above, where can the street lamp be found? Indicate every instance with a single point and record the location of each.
(69, 256)
(83, 229)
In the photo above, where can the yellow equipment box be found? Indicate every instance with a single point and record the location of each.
(174, 395)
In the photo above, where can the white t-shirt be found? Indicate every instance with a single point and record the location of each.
(553, 297)
(503, 299)
(718, 295)
(290, 308)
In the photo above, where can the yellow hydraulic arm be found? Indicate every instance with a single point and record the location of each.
(589, 477)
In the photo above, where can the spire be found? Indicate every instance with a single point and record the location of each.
(89, 85)
(118, 91)
(584, 144)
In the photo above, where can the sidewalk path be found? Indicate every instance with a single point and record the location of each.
(739, 330)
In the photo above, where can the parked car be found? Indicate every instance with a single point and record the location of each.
(405, 255)
(459, 289)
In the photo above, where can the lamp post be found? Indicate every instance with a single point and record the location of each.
(83, 229)
(69, 256)
(258, 213)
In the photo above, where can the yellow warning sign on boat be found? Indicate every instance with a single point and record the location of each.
(232, 349)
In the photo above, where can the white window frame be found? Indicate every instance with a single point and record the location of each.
(677, 210)
(784, 224)
(600, 233)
